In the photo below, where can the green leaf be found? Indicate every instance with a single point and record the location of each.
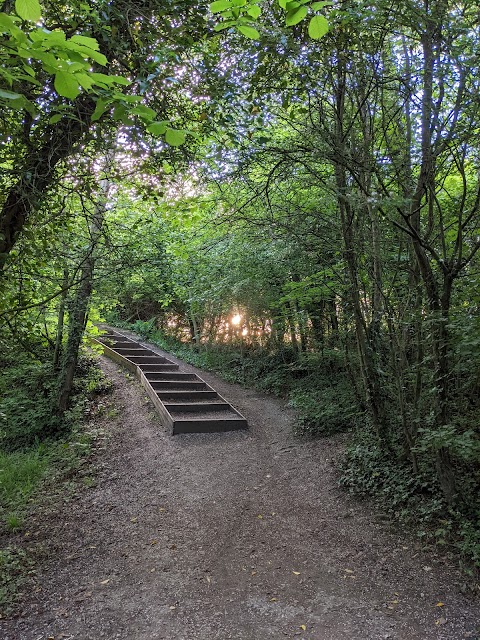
(318, 27)
(296, 16)
(6, 23)
(129, 98)
(316, 6)
(66, 85)
(119, 112)
(220, 5)
(10, 95)
(99, 109)
(174, 138)
(54, 37)
(224, 25)
(84, 80)
(158, 128)
(28, 10)
(254, 11)
(121, 80)
(98, 57)
(144, 112)
(249, 32)
(91, 43)
(283, 3)
(56, 118)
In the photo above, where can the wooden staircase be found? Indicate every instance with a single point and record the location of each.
(185, 402)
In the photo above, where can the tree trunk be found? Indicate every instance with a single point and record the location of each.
(37, 174)
(61, 319)
(78, 311)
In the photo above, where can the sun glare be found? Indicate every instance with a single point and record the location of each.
(236, 319)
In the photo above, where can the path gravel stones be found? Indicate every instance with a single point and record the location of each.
(240, 535)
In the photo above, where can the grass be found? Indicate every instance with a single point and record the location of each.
(20, 474)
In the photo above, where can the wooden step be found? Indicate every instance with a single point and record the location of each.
(161, 376)
(133, 351)
(210, 425)
(147, 359)
(195, 407)
(186, 403)
(154, 369)
(178, 385)
(180, 396)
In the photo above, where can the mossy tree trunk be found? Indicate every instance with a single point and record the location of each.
(78, 307)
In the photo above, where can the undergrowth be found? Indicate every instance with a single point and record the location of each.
(36, 451)
(415, 499)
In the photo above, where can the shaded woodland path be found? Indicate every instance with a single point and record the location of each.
(240, 536)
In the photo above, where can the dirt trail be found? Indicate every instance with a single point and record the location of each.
(240, 536)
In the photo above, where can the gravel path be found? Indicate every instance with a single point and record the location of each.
(240, 536)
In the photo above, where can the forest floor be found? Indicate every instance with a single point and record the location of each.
(241, 536)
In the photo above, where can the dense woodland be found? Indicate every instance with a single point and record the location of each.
(295, 208)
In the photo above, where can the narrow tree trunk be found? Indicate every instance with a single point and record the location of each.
(79, 307)
(61, 319)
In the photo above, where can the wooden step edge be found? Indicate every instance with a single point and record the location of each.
(207, 426)
(196, 407)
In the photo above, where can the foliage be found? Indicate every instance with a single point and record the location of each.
(414, 500)
(325, 409)
(27, 391)
(26, 407)
(39, 459)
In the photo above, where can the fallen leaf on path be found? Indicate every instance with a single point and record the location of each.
(304, 627)
(209, 579)
(133, 519)
(296, 573)
(427, 568)
(441, 621)
(105, 581)
(260, 516)
(273, 599)
(440, 604)
(348, 571)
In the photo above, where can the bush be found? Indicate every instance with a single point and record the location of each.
(414, 499)
(325, 410)
(27, 391)
(26, 415)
